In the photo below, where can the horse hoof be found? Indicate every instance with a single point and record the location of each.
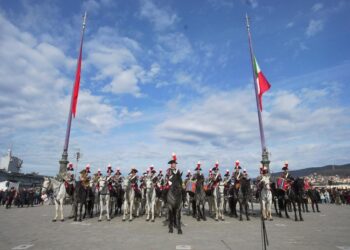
(301, 219)
(62, 220)
(54, 220)
(222, 219)
(152, 220)
(170, 231)
(108, 219)
(147, 219)
(123, 220)
(296, 219)
(198, 219)
(205, 219)
(130, 220)
(216, 219)
(75, 220)
(179, 231)
(248, 218)
(79, 220)
(240, 219)
(318, 211)
(271, 219)
(99, 220)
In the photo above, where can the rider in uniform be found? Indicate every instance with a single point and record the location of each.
(133, 178)
(118, 176)
(198, 175)
(237, 175)
(216, 177)
(173, 168)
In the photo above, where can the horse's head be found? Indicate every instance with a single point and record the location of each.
(46, 185)
(102, 183)
(126, 183)
(148, 183)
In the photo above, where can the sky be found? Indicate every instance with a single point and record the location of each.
(163, 76)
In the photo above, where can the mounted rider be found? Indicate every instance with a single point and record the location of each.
(84, 177)
(69, 176)
(198, 174)
(133, 178)
(118, 178)
(216, 176)
(227, 178)
(188, 177)
(284, 181)
(173, 170)
(237, 175)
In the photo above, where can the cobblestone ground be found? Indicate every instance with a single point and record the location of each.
(31, 228)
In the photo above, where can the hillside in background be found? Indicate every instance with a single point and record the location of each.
(329, 170)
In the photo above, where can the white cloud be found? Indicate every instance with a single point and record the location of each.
(316, 7)
(160, 18)
(175, 46)
(314, 27)
(290, 25)
(115, 58)
(225, 123)
(252, 3)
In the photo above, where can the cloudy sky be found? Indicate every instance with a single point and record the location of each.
(163, 76)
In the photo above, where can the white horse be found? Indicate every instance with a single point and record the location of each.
(150, 199)
(59, 194)
(220, 199)
(104, 197)
(129, 200)
(266, 197)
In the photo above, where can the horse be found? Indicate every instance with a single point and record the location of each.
(314, 196)
(265, 197)
(233, 198)
(174, 202)
(59, 194)
(291, 196)
(150, 199)
(105, 197)
(90, 200)
(189, 198)
(220, 200)
(244, 194)
(130, 200)
(79, 200)
(120, 198)
(199, 198)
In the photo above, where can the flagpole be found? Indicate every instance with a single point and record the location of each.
(265, 157)
(64, 160)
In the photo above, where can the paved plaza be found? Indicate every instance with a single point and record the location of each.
(31, 228)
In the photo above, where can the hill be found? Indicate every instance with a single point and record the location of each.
(329, 170)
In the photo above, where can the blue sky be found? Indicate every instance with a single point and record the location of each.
(175, 76)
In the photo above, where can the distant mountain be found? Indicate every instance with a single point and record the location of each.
(329, 170)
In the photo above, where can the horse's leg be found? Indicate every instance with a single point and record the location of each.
(108, 201)
(240, 210)
(56, 211)
(132, 198)
(246, 209)
(216, 204)
(300, 216)
(198, 210)
(286, 208)
(170, 219)
(101, 208)
(153, 204)
(178, 220)
(316, 203)
(125, 209)
(295, 210)
(263, 208)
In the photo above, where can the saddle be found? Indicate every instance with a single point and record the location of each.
(69, 187)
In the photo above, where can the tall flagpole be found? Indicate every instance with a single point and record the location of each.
(64, 160)
(265, 155)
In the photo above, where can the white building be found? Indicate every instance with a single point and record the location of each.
(10, 163)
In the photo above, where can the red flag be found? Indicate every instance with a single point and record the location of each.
(262, 84)
(77, 82)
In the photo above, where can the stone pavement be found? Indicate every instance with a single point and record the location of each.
(31, 228)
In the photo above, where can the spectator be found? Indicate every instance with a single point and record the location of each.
(322, 197)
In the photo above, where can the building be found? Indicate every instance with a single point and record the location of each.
(11, 163)
(10, 170)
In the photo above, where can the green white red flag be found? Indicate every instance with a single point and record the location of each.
(262, 84)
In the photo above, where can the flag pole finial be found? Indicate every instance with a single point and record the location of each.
(84, 20)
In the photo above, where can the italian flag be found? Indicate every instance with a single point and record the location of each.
(262, 84)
